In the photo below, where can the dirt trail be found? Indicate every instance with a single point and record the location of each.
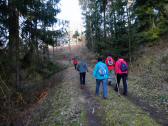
(66, 104)
(91, 106)
(86, 96)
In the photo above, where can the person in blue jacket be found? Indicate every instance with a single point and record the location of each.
(101, 74)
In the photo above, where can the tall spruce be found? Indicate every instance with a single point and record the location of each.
(24, 27)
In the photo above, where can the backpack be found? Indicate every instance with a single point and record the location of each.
(102, 71)
(83, 66)
(110, 62)
(123, 67)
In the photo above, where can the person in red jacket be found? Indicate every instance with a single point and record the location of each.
(121, 70)
(75, 62)
(110, 62)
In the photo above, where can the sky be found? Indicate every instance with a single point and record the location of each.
(70, 10)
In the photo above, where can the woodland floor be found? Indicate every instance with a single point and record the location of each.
(65, 104)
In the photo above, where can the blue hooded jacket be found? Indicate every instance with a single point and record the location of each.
(96, 73)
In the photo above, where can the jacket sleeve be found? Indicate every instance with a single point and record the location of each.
(95, 71)
(86, 67)
(116, 67)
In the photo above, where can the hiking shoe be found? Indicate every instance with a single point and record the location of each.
(109, 83)
(81, 86)
(97, 95)
(105, 98)
(125, 94)
(116, 89)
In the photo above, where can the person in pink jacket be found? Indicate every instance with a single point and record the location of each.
(121, 70)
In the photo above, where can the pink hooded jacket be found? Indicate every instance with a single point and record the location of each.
(117, 66)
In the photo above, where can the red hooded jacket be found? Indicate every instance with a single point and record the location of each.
(118, 65)
(110, 67)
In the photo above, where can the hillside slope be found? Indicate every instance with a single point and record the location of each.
(148, 80)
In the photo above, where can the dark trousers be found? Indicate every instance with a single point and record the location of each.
(124, 79)
(82, 78)
(75, 66)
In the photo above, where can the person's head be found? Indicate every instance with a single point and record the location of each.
(100, 59)
(82, 60)
(109, 54)
(119, 57)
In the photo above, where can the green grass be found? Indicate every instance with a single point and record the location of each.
(119, 111)
(83, 118)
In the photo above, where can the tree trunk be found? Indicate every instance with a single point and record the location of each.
(104, 16)
(129, 35)
(111, 29)
(92, 43)
(14, 40)
(53, 50)
(115, 28)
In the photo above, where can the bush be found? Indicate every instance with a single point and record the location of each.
(152, 35)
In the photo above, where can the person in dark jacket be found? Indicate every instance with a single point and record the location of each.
(82, 68)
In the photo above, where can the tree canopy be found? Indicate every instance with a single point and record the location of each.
(123, 24)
